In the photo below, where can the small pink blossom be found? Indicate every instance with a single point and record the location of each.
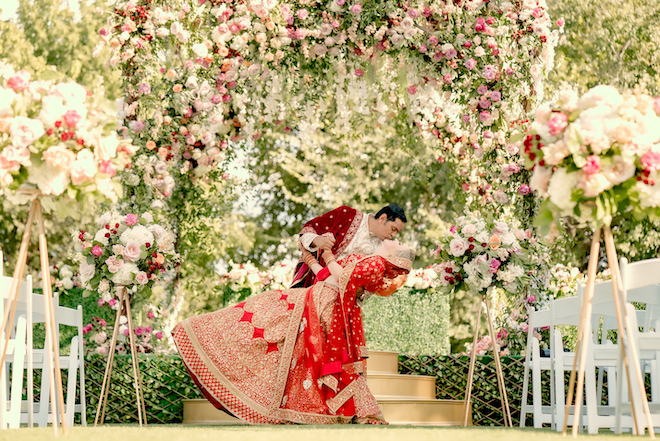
(412, 13)
(557, 123)
(359, 72)
(108, 168)
(226, 98)
(126, 333)
(145, 88)
(531, 300)
(132, 252)
(484, 116)
(524, 189)
(114, 263)
(100, 303)
(412, 90)
(453, 229)
(495, 96)
(356, 8)
(302, 14)
(20, 81)
(447, 79)
(509, 71)
(159, 335)
(150, 315)
(423, 49)
(593, 165)
(139, 331)
(96, 251)
(112, 302)
(489, 72)
(71, 118)
(131, 219)
(470, 63)
(433, 40)
(561, 22)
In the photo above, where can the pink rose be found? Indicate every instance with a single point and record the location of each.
(356, 8)
(593, 165)
(524, 190)
(651, 161)
(484, 116)
(112, 302)
(494, 265)
(142, 279)
(96, 250)
(159, 335)
(71, 118)
(470, 63)
(114, 264)
(20, 81)
(359, 72)
(412, 90)
(453, 229)
(150, 314)
(131, 219)
(302, 14)
(132, 252)
(557, 123)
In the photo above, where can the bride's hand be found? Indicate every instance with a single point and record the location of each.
(399, 281)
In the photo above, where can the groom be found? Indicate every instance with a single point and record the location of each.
(351, 232)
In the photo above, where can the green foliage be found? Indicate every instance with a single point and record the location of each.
(50, 41)
(608, 42)
(295, 180)
(410, 322)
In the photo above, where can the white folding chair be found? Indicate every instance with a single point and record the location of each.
(564, 311)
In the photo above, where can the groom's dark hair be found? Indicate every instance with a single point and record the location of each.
(393, 212)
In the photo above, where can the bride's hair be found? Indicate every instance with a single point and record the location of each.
(406, 253)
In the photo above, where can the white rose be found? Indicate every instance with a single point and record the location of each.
(540, 179)
(107, 148)
(457, 246)
(86, 271)
(469, 230)
(148, 217)
(554, 153)
(594, 184)
(200, 50)
(100, 236)
(620, 171)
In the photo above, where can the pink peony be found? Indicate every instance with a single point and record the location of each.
(356, 8)
(557, 123)
(593, 165)
(651, 161)
(96, 250)
(494, 265)
(131, 219)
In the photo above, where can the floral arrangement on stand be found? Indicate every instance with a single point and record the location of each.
(491, 257)
(126, 251)
(596, 157)
(98, 333)
(53, 139)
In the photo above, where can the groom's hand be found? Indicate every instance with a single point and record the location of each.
(324, 242)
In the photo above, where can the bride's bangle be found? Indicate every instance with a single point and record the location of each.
(310, 260)
(329, 257)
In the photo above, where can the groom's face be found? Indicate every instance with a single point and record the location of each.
(387, 229)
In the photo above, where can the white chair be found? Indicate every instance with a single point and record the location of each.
(11, 388)
(564, 311)
(636, 276)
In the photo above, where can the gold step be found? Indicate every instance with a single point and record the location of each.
(201, 411)
(383, 362)
(403, 386)
(424, 412)
(397, 411)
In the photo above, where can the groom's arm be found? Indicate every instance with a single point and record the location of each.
(310, 236)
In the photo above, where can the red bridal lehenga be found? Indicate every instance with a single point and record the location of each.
(291, 356)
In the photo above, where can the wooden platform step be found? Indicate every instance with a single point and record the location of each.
(411, 386)
(397, 411)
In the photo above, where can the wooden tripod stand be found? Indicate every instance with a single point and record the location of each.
(52, 346)
(632, 367)
(498, 366)
(124, 309)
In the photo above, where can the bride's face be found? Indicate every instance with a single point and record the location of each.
(391, 247)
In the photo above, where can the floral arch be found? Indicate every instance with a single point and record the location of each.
(200, 75)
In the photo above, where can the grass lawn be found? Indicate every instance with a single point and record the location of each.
(290, 433)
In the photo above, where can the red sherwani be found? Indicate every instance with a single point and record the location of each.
(343, 223)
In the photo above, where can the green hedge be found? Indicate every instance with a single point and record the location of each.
(166, 383)
(411, 322)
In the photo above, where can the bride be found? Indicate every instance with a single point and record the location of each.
(295, 355)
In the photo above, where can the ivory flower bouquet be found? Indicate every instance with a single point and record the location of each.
(53, 139)
(127, 250)
(597, 156)
(477, 254)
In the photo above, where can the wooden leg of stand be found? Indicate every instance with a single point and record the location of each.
(504, 399)
(51, 324)
(623, 323)
(579, 346)
(10, 310)
(137, 380)
(473, 359)
(103, 397)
